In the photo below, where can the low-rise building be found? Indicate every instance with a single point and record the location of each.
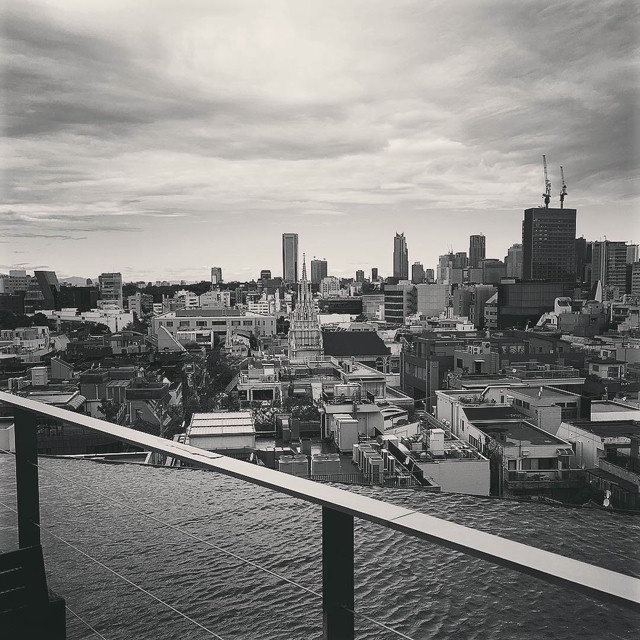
(232, 433)
(202, 326)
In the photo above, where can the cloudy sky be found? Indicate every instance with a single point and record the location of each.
(160, 138)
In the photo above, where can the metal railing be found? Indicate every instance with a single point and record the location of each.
(339, 508)
(545, 475)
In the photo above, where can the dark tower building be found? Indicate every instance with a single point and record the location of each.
(477, 251)
(549, 244)
(374, 274)
(400, 257)
(318, 271)
(290, 257)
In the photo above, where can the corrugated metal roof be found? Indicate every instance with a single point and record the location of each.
(221, 420)
(223, 430)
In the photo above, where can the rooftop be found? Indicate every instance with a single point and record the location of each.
(606, 406)
(353, 343)
(490, 412)
(521, 433)
(610, 429)
(547, 393)
(221, 419)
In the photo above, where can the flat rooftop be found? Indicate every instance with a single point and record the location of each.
(610, 429)
(491, 412)
(521, 433)
(553, 395)
(606, 406)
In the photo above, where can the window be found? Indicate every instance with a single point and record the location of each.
(201, 323)
(235, 323)
(169, 323)
(247, 323)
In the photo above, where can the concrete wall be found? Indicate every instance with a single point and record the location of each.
(460, 476)
(589, 447)
(7, 438)
(217, 443)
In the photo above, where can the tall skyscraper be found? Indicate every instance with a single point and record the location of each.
(318, 270)
(111, 288)
(374, 274)
(400, 257)
(359, 275)
(514, 261)
(609, 264)
(549, 244)
(460, 260)
(216, 276)
(290, 257)
(265, 274)
(477, 251)
(417, 273)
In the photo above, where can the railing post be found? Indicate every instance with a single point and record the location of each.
(337, 575)
(27, 493)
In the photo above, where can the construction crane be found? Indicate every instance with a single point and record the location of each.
(563, 191)
(547, 184)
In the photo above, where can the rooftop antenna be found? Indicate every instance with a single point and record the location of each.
(563, 191)
(547, 184)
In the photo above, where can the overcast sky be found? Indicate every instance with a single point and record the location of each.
(160, 138)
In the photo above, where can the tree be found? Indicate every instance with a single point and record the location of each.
(10, 320)
(301, 407)
(109, 409)
(40, 320)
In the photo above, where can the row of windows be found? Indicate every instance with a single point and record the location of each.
(216, 323)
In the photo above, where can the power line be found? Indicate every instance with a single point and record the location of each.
(114, 572)
(73, 613)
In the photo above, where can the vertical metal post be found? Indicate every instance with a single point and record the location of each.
(337, 575)
(28, 497)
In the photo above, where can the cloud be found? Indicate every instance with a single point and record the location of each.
(243, 120)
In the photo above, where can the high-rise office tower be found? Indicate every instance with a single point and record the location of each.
(290, 257)
(216, 276)
(318, 270)
(429, 275)
(460, 260)
(633, 253)
(549, 244)
(359, 275)
(400, 257)
(374, 274)
(265, 274)
(609, 264)
(514, 261)
(583, 257)
(417, 273)
(477, 250)
(111, 287)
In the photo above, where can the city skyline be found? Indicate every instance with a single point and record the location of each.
(147, 139)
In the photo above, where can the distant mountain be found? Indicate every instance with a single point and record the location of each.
(76, 281)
